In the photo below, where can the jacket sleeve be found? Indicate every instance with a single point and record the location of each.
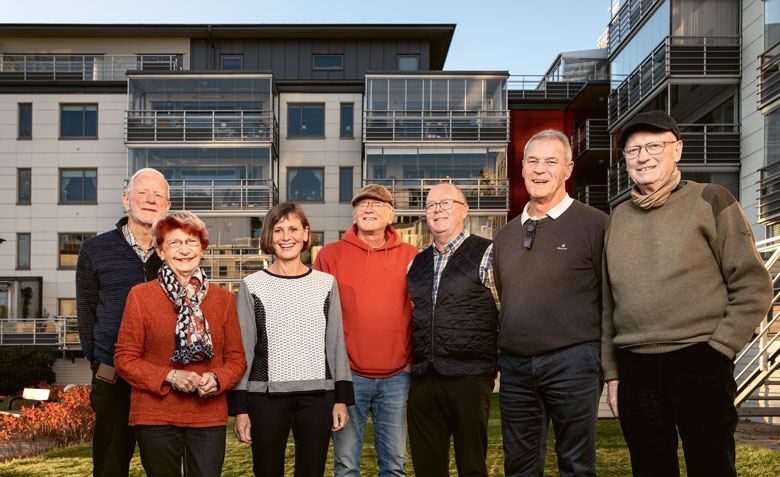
(337, 351)
(86, 302)
(129, 353)
(248, 325)
(233, 364)
(608, 350)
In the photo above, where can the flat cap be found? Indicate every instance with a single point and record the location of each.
(374, 191)
(649, 121)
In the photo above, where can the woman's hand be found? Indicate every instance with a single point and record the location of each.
(340, 416)
(242, 428)
(208, 384)
(184, 381)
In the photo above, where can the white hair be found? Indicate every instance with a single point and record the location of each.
(147, 170)
(551, 134)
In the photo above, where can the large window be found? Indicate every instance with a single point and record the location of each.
(25, 121)
(69, 246)
(23, 251)
(347, 120)
(305, 120)
(232, 62)
(345, 184)
(78, 185)
(328, 62)
(78, 121)
(23, 186)
(641, 45)
(305, 184)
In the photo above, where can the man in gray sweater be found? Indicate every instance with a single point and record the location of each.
(547, 265)
(684, 289)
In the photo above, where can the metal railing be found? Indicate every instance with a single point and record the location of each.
(223, 194)
(436, 126)
(591, 135)
(626, 20)
(19, 67)
(618, 181)
(594, 196)
(710, 144)
(769, 193)
(60, 331)
(769, 77)
(201, 126)
(675, 56)
(540, 86)
(481, 194)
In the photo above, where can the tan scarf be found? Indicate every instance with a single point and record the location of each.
(659, 197)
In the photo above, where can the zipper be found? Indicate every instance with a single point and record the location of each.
(433, 331)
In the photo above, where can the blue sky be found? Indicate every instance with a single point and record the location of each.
(522, 36)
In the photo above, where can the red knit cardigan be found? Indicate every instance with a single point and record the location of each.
(146, 342)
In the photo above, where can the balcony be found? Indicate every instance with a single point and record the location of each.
(589, 137)
(223, 195)
(167, 126)
(59, 331)
(226, 265)
(675, 56)
(769, 77)
(769, 194)
(436, 126)
(618, 181)
(594, 196)
(82, 67)
(710, 145)
(483, 195)
(626, 20)
(525, 87)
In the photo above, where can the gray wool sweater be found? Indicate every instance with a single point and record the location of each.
(683, 273)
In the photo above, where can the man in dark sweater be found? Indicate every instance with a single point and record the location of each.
(454, 327)
(109, 265)
(547, 265)
(684, 289)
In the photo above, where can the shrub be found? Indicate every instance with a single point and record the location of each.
(24, 366)
(69, 420)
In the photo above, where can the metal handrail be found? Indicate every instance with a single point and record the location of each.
(231, 264)
(223, 194)
(201, 126)
(769, 76)
(481, 194)
(53, 331)
(628, 17)
(591, 135)
(451, 125)
(64, 67)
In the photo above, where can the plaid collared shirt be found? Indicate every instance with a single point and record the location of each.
(440, 260)
(142, 254)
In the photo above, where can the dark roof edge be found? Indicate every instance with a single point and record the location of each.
(440, 73)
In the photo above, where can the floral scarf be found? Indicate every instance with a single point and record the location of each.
(193, 339)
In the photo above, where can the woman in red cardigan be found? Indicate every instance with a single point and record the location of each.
(180, 348)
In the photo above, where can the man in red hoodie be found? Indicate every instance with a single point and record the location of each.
(370, 263)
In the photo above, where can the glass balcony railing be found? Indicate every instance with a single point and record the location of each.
(769, 77)
(684, 56)
(481, 194)
(436, 126)
(769, 194)
(161, 126)
(20, 67)
(591, 135)
(594, 196)
(59, 331)
(257, 195)
(626, 20)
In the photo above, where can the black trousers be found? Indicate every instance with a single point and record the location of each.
(690, 391)
(310, 416)
(114, 441)
(163, 447)
(439, 407)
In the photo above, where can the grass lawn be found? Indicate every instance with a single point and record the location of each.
(612, 457)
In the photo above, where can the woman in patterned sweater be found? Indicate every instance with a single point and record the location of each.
(298, 376)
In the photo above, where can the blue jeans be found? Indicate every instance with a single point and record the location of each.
(563, 386)
(385, 398)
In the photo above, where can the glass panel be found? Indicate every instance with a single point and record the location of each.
(200, 94)
(72, 120)
(408, 62)
(67, 307)
(293, 184)
(24, 186)
(231, 62)
(5, 299)
(378, 94)
(414, 94)
(772, 137)
(311, 184)
(23, 251)
(313, 120)
(294, 120)
(439, 94)
(457, 95)
(396, 95)
(347, 115)
(25, 121)
(642, 44)
(71, 185)
(90, 185)
(70, 244)
(345, 184)
(771, 23)
(328, 62)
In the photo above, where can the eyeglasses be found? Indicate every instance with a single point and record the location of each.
(528, 240)
(190, 242)
(446, 204)
(652, 148)
(376, 205)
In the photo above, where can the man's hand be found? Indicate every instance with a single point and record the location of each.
(340, 416)
(242, 428)
(612, 399)
(208, 385)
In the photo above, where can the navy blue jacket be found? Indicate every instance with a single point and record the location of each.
(107, 269)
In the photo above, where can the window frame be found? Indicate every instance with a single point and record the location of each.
(314, 66)
(231, 55)
(301, 199)
(19, 135)
(300, 125)
(60, 201)
(19, 200)
(83, 123)
(29, 250)
(344, 199)
(351, 124)
(405, 55)
(84, 237)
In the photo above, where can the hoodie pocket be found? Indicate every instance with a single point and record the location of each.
(377, 351)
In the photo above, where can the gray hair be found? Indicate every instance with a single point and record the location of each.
(181, 219)
(147, 170)
(551, 134)
(454, 188)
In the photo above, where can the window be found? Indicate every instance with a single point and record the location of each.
(25, 121)
(232, 62)
(23, 186)
(345, 184)
(22, 251)
(66, 307)
(70, 244)
(347, 124)
(408, 62)
(328, 62)
(306, 120)
(78, 121)
(304, 184)
(78, 185)
(317, 239)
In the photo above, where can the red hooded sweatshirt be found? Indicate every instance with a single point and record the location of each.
(375, 303)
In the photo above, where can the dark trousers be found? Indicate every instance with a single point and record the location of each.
(439, 407)
(564, 387)
(114, 441)
(690, 391)
(163, 447)
(310, 416)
